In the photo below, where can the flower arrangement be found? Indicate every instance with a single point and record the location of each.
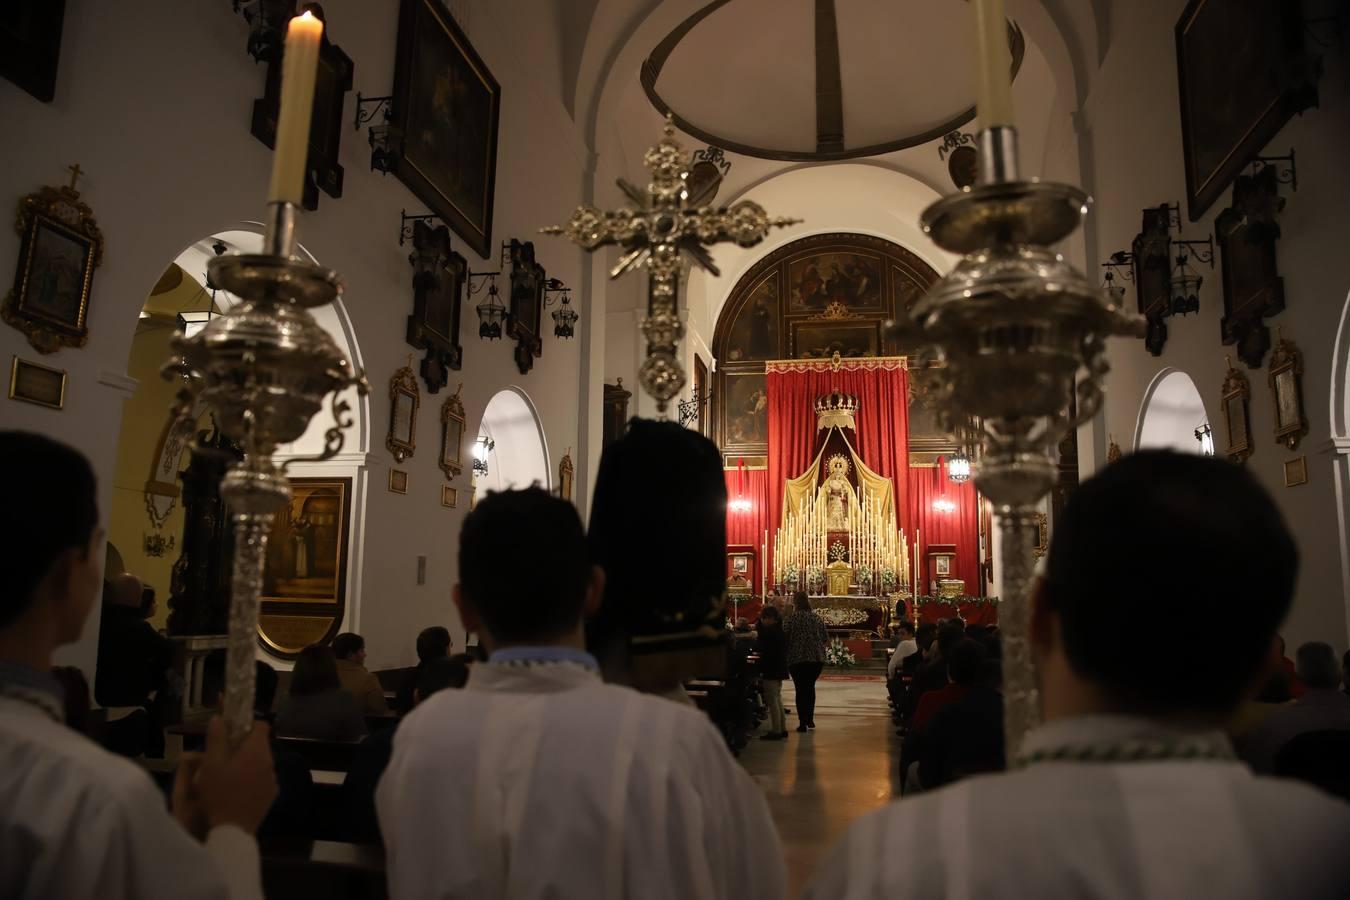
(887, 580)
(837, 617)
(863, 575)
(791, 574)
(957, 601)
(839, 656)
(815, 578)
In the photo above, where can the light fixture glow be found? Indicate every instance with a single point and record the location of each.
(482, 446)
(943, 505)
(958, 468)
(740, 505)
(1205, 435)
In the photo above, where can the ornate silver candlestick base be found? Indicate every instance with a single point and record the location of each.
(263, 369)
(1016, 326)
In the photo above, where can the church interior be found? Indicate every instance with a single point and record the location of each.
(247, 250)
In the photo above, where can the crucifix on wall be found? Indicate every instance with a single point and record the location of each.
(662, 226)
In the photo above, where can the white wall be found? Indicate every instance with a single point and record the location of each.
(1132, 129)
(1173, 410)
(153, 100)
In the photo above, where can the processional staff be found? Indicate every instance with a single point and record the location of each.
(661, 226)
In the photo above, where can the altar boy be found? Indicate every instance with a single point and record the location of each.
(540, 780)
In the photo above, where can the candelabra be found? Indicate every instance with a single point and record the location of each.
(1015, 324)
(263, 369)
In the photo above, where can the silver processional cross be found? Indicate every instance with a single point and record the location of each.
(656, 231)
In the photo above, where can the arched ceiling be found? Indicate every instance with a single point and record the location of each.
(818, 79)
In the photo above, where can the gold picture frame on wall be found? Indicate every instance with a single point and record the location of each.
(1296, 471)
(404, 399)
(398, 481)
(37, 384)
(449, 497)
(1237, 392)
(1286, 391)
(566, 473)
(452, 434)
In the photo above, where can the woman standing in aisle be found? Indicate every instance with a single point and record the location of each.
(772, 648)
(805, 656)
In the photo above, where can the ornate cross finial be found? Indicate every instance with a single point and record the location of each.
(657, 231)
(75, 173)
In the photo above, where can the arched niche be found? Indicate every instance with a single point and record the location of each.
(147, 503)
(1172, 412)
(519, 457)
(809, 298)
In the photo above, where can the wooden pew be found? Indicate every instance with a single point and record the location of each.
(328, 869)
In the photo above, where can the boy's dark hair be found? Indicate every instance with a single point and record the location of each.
(964, 661)
(1236, 576)
(315, 671)
(906, 626)
(433, 643)
(348, 644)
(947, 637)
(446, 672)
(50, 507)
(659, 486)
(925, 634)
(1316, 665)
(522, 600)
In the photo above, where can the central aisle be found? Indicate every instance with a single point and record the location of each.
(820, 782)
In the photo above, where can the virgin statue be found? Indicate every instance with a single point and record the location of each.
(837, 493)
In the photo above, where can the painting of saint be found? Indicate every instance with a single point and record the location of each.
(821, 340)
(755, 333)
(306, 557)
(56, 276)
(852, 280)
(747, 409)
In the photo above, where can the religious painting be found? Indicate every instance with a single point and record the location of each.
(1236, 397)
(1243, 72)
(849, 279)
(332, 81)
(942, 565)
(747, 409)
(30, 44)
(821, 340)
(526, 304)
(452, 434)
(1286, 388)
(446, 106)
(438, 293)
(33, 383)
(404, 398)
(60, 248)
(754, 333)
(1252, 287)
(307, 553)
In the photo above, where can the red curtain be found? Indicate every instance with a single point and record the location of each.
(960, 527)
(747, 527)
(882, 389)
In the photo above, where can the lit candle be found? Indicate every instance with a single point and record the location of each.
(299, 69)
(993, 71)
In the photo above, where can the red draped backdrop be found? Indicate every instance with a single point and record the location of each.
(748, 526)
(882, 389)
(960, 526)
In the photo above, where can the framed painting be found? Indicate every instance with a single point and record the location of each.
(526, 306)
(332, 82)
(1237, 393)
(1286, 392)
(452, 435)
(1296, 471)
(1243, 72)
(33, 383)
(449, 497)
(754, 332)
(398, 481)
(59, 249)
(746, 410)
(404, 398)
(30, 44)
(1252, 287)
(439, 274)
(846, 280)
(821, 340)
(304, 586)
(445, 109)
(566, 474)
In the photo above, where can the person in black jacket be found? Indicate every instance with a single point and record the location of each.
(772, 648)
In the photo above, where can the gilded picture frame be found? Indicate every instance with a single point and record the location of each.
(449, 496)
(1296, 471)
(37, 384)
(60, 248)
(453, 425)
(1237, 394)
(398, 481)
(1286, 392)
(404, 399)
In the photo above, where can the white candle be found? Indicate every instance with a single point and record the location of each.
(993, 67)
(299, 69)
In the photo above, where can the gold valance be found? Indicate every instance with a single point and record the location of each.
(860, 364)
(803, 487)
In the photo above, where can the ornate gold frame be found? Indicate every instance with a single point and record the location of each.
(62, 211)
(566, 473)
(1296, 471)
(452, 412)
(398, 481)
(1287, 358)
(1236, 389)
(449, 497)
(403, 384)
(1042, 536)
(15, 393)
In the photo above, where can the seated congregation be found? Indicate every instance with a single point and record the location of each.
(571, 762)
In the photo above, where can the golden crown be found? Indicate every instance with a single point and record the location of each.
(836, 402)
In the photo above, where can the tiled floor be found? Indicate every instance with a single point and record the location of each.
(817, 783)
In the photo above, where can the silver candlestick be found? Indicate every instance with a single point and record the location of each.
(1014, 325)
(263, 370)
